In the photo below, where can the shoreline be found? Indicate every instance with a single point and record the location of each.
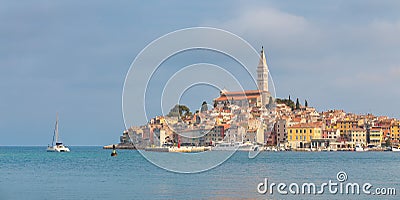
(132, 147)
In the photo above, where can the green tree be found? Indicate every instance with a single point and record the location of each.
(305, 103)
(204, 107)
(388, 143)
(179, 111)
(174, 112)
(184, 111)
(287, 102)
(270, 103)
(297, 104)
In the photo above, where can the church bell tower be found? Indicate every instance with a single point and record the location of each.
(262, 78)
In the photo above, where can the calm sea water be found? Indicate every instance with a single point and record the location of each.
(90, 173)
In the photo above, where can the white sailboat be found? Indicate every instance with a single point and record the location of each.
(58, 147)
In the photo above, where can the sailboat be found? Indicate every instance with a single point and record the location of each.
(58, 147)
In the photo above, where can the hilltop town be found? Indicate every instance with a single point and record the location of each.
(255, 116)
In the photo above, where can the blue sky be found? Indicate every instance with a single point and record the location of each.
(71, 57)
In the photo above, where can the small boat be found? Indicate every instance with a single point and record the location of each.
(248, 146)
(397, 149)
(226, 146)
(114, 152)
(236, 146)
(59, 146)
(360, 148)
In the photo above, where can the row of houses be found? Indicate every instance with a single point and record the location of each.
(306, 128)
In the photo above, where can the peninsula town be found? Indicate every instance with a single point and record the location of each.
(254, 116)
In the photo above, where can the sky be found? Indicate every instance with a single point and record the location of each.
(72, 57)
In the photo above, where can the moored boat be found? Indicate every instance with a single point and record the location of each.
(236, 146)
(59, 146)
(359, 148)
(396, 149)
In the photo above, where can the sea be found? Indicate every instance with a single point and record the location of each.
(91, 173)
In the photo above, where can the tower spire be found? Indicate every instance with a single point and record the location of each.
(262, 77)
(263, 60)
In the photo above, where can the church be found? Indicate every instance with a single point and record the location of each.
(252, 98)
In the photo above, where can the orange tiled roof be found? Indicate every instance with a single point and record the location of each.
(235, 98)
(307, 125)
(226, 126)
(296, 119)
(242, 92)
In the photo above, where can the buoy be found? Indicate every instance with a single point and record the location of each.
(114, 152)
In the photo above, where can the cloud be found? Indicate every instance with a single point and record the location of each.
(275, 26)
(385, 33)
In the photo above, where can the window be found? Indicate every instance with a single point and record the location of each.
(290, 131)
(297, 131)
(300, 131)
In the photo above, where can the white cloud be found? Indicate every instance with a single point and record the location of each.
(274, 26)
(375, 35)
(385, 32)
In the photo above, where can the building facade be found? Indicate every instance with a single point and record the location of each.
(300, 135)
(359, 136)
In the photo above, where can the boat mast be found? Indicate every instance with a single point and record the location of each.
(56, 131)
